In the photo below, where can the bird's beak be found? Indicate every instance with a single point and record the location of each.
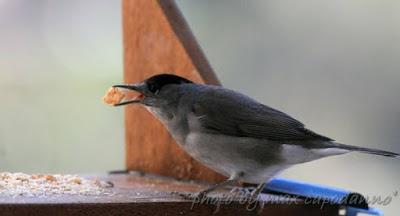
(138, 89)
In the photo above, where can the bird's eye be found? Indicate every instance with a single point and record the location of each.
(154, 89)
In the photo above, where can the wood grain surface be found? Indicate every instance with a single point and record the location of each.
(158, 40)
(134, 194)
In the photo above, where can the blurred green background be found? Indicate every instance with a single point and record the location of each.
(335, 65)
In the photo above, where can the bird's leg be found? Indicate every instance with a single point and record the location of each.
(232, 180)
(228, 182)
(257, 191)
(254, 198)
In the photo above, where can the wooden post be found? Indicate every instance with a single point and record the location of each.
(157, 40)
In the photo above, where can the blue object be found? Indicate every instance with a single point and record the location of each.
(353, 203)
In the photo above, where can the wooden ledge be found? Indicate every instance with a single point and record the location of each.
(134, 194)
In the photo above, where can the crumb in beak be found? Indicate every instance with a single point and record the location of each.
(117, 95)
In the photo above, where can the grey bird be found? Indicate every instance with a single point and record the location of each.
(232, 133)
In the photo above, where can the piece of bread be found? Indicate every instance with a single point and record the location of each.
(113, 96)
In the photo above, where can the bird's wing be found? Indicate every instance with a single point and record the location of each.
(226, 112)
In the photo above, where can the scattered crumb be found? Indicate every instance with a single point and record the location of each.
(50, 178)
(21, 184)
(77, 181)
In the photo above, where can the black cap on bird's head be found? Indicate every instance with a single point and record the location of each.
(150, 88)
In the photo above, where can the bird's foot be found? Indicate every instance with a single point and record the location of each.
(255, 203)
(190, 196)
(184, 195)
(248, 198)
(242, 191)
(199, 198)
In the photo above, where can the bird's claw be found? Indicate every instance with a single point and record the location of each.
(254, 204)
(242, 191)
(184, 195)
(190, 196)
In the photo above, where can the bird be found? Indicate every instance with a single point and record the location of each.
(231, 133)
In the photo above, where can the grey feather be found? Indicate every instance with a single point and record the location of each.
(366, 150)
(227, 112)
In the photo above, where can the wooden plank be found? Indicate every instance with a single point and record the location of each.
(156, 40)
(146, 195)
(152, 209)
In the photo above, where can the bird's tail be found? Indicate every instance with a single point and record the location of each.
(368, 150)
